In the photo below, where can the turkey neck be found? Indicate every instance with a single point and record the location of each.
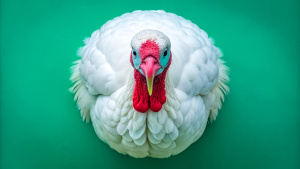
(141, 99)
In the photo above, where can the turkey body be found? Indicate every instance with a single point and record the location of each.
(104, 85)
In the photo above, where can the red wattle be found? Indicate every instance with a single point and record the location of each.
(141, 99)
(158, 97)
(140, 95)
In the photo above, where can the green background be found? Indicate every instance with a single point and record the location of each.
(258, 126)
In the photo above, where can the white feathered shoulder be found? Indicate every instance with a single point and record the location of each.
(150, 81)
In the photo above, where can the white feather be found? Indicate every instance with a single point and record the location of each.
(104, 84)
(85, 100)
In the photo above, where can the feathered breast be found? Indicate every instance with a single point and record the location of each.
(104, 85)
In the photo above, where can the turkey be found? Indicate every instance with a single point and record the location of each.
(149, 81)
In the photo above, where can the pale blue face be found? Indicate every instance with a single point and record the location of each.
(163, 60)
(136, 59)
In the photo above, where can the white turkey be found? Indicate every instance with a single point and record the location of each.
(149, 81)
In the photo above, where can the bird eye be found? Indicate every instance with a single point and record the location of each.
(134, 53)
(165, 53)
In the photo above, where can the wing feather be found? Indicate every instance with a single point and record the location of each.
(85, 101)
(105, 56)
(195, 69)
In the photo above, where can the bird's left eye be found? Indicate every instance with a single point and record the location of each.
(165, 53)
(134, 53)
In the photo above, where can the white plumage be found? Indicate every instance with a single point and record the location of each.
(104, 84)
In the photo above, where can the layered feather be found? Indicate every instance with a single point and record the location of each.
(195, 85)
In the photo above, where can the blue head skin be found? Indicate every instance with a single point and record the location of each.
(150, 54)
(163, 60)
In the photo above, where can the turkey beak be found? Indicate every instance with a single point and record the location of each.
(150, 68)
(149, 78)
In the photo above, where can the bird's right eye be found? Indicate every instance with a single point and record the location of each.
(134, 53)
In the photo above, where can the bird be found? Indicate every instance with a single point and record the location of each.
(149, 81)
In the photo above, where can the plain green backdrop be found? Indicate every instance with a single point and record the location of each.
(258, 126)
